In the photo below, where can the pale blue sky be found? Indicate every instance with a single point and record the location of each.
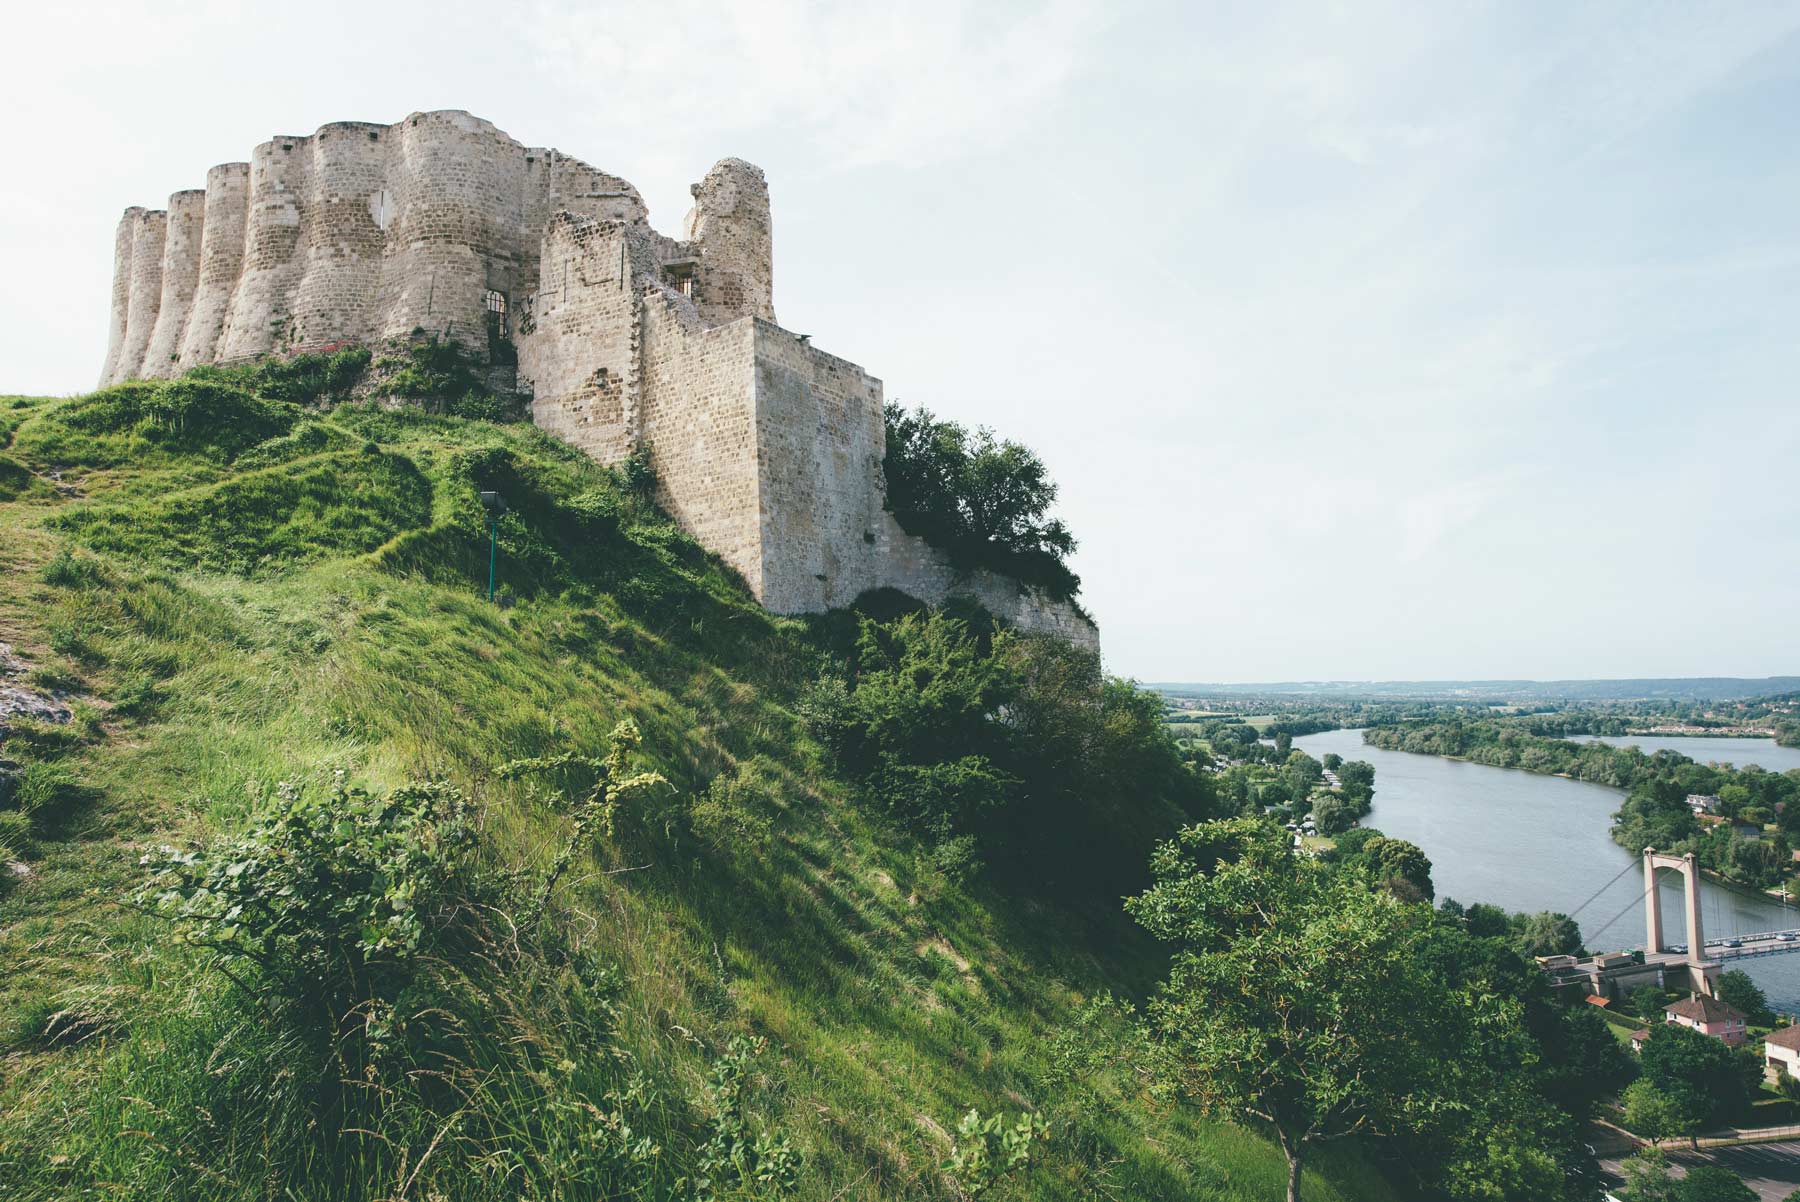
(1366, 341)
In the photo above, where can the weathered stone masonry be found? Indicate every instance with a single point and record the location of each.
(767, 449)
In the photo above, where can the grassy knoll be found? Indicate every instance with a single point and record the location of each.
(239, 597)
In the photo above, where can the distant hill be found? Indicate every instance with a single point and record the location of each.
(1695, 688)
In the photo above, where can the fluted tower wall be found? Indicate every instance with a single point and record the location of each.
(457, 185)
(365, 232)
(221, 260)
(262, 306)
(147, 238)
(342, 240)
(180, 279)
(121, 293)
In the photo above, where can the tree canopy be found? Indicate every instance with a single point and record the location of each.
(982, 499)
(1302, 998)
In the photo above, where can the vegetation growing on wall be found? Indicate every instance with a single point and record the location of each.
(983, 500)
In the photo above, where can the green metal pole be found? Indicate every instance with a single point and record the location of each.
(493, 542)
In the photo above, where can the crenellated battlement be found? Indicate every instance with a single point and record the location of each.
(767, 449)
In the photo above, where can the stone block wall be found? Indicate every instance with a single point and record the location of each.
(819, 449)
(699, 421)
(579, 359)
(827, 536)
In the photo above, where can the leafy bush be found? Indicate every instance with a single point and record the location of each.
(610, 784)
(734, 812)
(735, 1159)
(987, 1151)
(980, 499)
(329, 901)
(1021, 743)
(445, 378)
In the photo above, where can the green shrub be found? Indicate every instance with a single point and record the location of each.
(982, 500)
(987, 1151)
(954, 860)
(737, 1160)
(482, 405)
(330, 900)
(308, 379)
(444, 378)
(734, 812)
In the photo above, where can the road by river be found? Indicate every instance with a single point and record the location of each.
(1530, 842)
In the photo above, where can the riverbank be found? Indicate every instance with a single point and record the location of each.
(1528, 842)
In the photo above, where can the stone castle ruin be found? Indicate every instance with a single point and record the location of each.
(765, 448)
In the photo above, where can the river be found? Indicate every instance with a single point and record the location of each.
(1764, 753)
(1530, 842)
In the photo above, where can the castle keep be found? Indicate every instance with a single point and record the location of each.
(766, 449)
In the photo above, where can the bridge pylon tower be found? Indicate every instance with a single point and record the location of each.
(1701, 971)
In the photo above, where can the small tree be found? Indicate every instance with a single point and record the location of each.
(1708, 1079)
(1330, 816)
(1259, 1020)
(329, 901)
(1736, 988)
(982, 499)
(1548, 934)
(1655, 1115)
(987, 1151)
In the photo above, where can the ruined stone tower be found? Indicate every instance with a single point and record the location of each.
(766, 449)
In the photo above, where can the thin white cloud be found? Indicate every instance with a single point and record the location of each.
(893, 84)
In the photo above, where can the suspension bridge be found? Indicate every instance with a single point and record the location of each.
(1694, 965)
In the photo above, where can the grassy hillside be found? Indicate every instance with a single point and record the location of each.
(756, 982)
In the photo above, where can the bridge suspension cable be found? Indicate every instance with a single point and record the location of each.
(1636, 901)
(1602, 889)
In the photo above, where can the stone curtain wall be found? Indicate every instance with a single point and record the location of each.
(827, 535)
(820, 441)
(699, 421)
(766, 449)
(580, 359)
